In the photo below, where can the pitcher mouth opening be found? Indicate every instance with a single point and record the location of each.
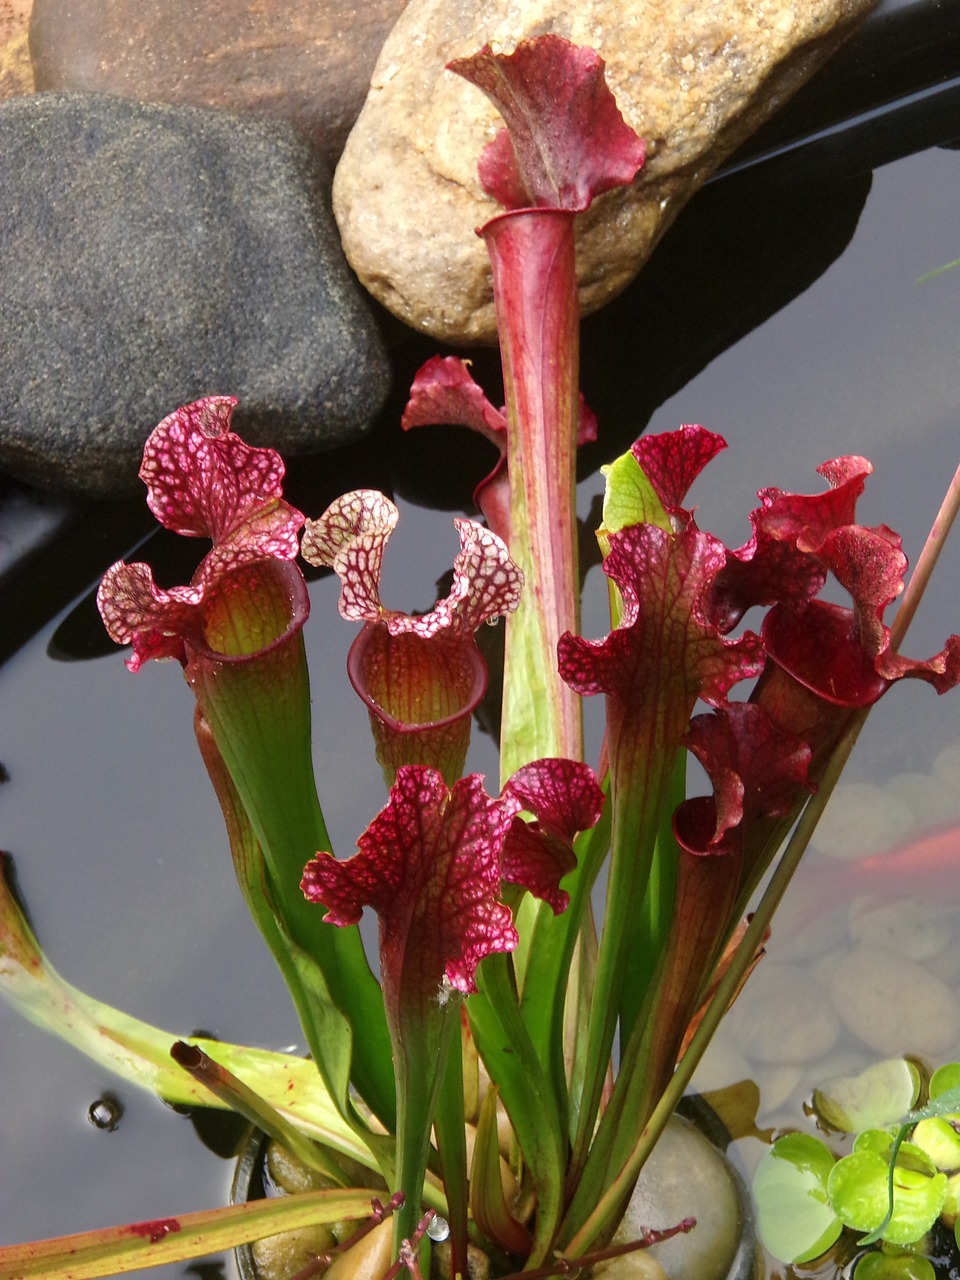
(446, 679)
(253, 610)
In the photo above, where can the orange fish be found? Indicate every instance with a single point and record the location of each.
(926, 866)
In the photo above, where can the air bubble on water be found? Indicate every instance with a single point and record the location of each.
(106, 1112)
(439, 1228)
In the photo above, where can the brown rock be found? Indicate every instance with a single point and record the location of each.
(693, 78)
(16, 73)
(307, 61)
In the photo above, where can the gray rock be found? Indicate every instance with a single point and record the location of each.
(154, 254)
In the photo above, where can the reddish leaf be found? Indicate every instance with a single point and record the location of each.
(420, 675)
(665, 643)
(444, 392)
(350, 537)
(202, 481)
(564, 797)
(672, 461)
(783, 560)
(429, 865)
(756, 768)
(566, 141)
(818, 644)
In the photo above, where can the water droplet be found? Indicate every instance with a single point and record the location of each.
(106, 1112)
(439, 1228)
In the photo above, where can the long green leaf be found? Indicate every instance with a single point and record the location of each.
(328, 1031)
(551, 952)
(258, 713)
(140, 1053)
(450, 1128)
(114, 1251)
(511, 1060)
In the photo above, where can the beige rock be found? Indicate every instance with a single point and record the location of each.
(16, 72)
(693, 78)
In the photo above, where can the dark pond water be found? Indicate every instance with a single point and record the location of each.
(784, 310)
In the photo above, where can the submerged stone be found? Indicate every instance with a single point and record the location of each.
(156, 254)
(306, 61)
(895, 1005)
(693, 80)
(687, 1176)
(787, 1017)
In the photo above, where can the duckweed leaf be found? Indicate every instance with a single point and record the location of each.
(945, 1079)
(859, 1191)
(904, 1266)
(795, 1219)
(877, 1096)
(940, 1140)
(951, 1204)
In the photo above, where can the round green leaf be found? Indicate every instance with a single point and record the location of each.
(877, 1096)
(905, 1266)
(917, 1201)
(857, 1187)
(878, 1140)
(938, 1138)
(859, 1192)
(950, 1210)
(944, 1079)
(794, 1217)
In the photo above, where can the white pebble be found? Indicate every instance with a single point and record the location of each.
(894, 1005)
(783, 1015)
(861, 819)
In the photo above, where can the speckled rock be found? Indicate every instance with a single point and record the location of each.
(153, 254)
(693, 79)
(307, 61)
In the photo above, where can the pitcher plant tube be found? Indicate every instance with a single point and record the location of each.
(501, 1070)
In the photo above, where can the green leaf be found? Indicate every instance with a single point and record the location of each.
(904, 1266)
(450, 1128)
(938, 271)
(553, 938)
(239, 1097)
(629, 498)
(938, 1138)
(877, 1096)
(951, 1204)
(859, 1191)
(510, 1058)
(261, 731)
(115, 1251)
(794, 1216)
(140, 1053)
(945, 1079)
(490, 1209)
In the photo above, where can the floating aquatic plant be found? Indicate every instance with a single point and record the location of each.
(900, 1177)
